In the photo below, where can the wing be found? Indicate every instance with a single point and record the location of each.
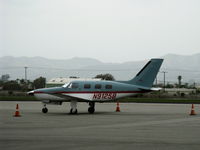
(67, 98)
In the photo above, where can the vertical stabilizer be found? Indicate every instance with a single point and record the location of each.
(146, 76)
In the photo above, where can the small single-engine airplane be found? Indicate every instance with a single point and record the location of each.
(99, 91)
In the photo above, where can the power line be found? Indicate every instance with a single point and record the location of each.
(69, 69)
(128, 69)
(181, 70)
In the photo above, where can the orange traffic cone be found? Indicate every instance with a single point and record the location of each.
(192, 110)
(117, 108)
(17, 114)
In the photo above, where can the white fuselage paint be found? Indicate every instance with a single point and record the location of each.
(86, 96)
(44, 96)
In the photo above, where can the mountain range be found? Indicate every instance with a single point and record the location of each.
(174, 65)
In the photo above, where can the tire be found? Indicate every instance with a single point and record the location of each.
(91, 110)
(44, 110)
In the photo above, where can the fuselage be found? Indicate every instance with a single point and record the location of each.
(88, 91)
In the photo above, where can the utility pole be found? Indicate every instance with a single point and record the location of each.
(194, 85)
(164, 72)
(156, 81)
(26, 73)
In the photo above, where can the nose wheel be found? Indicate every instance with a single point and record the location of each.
(91, 109)
(44, 110)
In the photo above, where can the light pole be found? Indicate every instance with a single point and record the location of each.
(26, 73)
(164, 72)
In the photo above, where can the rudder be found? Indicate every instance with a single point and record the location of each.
(146, 76)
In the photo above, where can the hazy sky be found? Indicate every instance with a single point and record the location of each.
(109, 30)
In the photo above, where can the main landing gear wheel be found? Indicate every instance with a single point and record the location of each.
(73, 109)
(91, 109)
(44, 110)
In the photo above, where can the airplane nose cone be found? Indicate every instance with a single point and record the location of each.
(31, 93)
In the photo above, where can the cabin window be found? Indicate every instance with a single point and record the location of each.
(108, 86)
(87, 86)
(73, 86)
(97, 86)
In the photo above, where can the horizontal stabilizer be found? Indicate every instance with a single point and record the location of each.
(156, 89)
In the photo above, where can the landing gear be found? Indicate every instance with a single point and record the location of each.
(73, 109)
(91, 109)
(44, 110)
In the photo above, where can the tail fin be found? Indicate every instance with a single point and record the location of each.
(146, 76)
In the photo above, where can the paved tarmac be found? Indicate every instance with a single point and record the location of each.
(137, 126)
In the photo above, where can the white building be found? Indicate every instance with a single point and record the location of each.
(180, 90)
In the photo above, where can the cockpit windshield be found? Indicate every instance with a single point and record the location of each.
(71, 85)
(66, 84)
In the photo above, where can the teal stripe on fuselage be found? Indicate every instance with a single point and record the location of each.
(116, 86)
